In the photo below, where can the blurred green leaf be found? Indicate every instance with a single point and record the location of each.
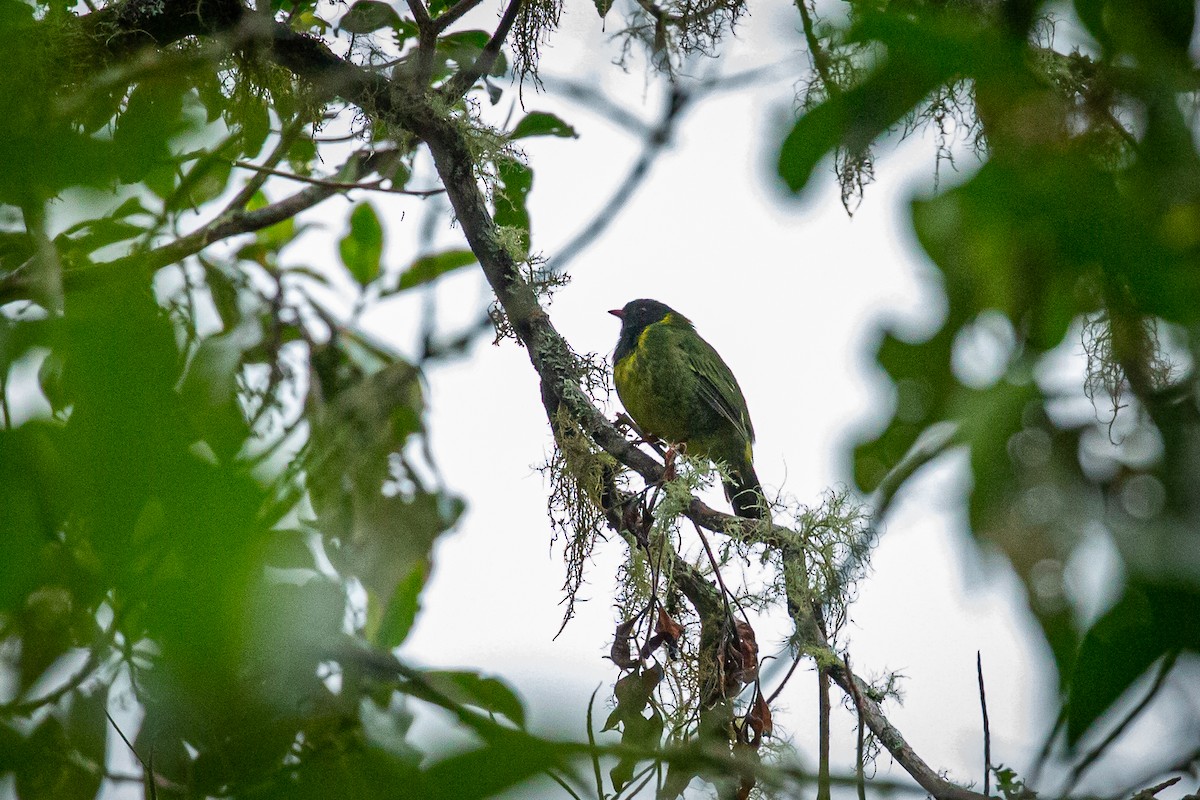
(922, 53)
(366, 16)
(46, 770)
(541, 123)
(401, 611)
(289, 549)
(210, 387)
(152, 115)
(470, 688)
(253, 120)
(10, 749)
(431, 267)
(207, 178)
(1115, 652)
(507, 760)
(924, 382)
(463, 47)
(514, 180)
(362, 247)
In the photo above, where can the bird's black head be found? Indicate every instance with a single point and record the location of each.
(635, 317)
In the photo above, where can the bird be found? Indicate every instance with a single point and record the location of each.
(676, 387)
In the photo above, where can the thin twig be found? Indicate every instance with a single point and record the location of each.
(373, 186)
(860, 771)
(256, 182)
(787, 677)
(453, 14)
(820, 58)
(13, 286)
(823, 713)
(96, 656)
(4, 410)
(566, 787)
(987, 732)
(591, 735)
(726, 595)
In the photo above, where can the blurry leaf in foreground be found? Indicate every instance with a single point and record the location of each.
(1147, 623)
(541, 123)
(366, 16)
(472, 689)
(362, 247)
(514, 180)
(431, 267)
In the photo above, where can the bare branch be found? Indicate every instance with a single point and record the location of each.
(823, 713)
(860, 773)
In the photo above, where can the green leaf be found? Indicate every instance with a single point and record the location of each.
(289, 549)
(922, 53)
(1114, 653)
(429, 268)
(470, 688)
(402, 611)
(541, 123)
(923, 379)
(153, 113)
(209, 388)
(46, 770)
(514, 180)
(254, 120)
(362, 247)
(366, 16)
(602, 7)
(509, 758)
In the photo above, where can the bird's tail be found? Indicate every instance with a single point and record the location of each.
(745, 493)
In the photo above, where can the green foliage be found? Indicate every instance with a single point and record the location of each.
(175, 505)
(540, 123)
(362, 246)
(427, 269)
(513, 183)
(1071, 219)
(367, 16)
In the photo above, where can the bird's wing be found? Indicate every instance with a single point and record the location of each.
(719, 388)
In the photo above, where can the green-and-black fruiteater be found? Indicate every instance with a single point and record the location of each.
(678, 389)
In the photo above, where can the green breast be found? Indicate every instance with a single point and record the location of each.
(659, 389)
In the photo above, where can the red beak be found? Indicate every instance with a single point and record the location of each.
(618, 313)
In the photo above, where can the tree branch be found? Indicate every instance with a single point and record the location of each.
(462, 82)
(453, 14)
